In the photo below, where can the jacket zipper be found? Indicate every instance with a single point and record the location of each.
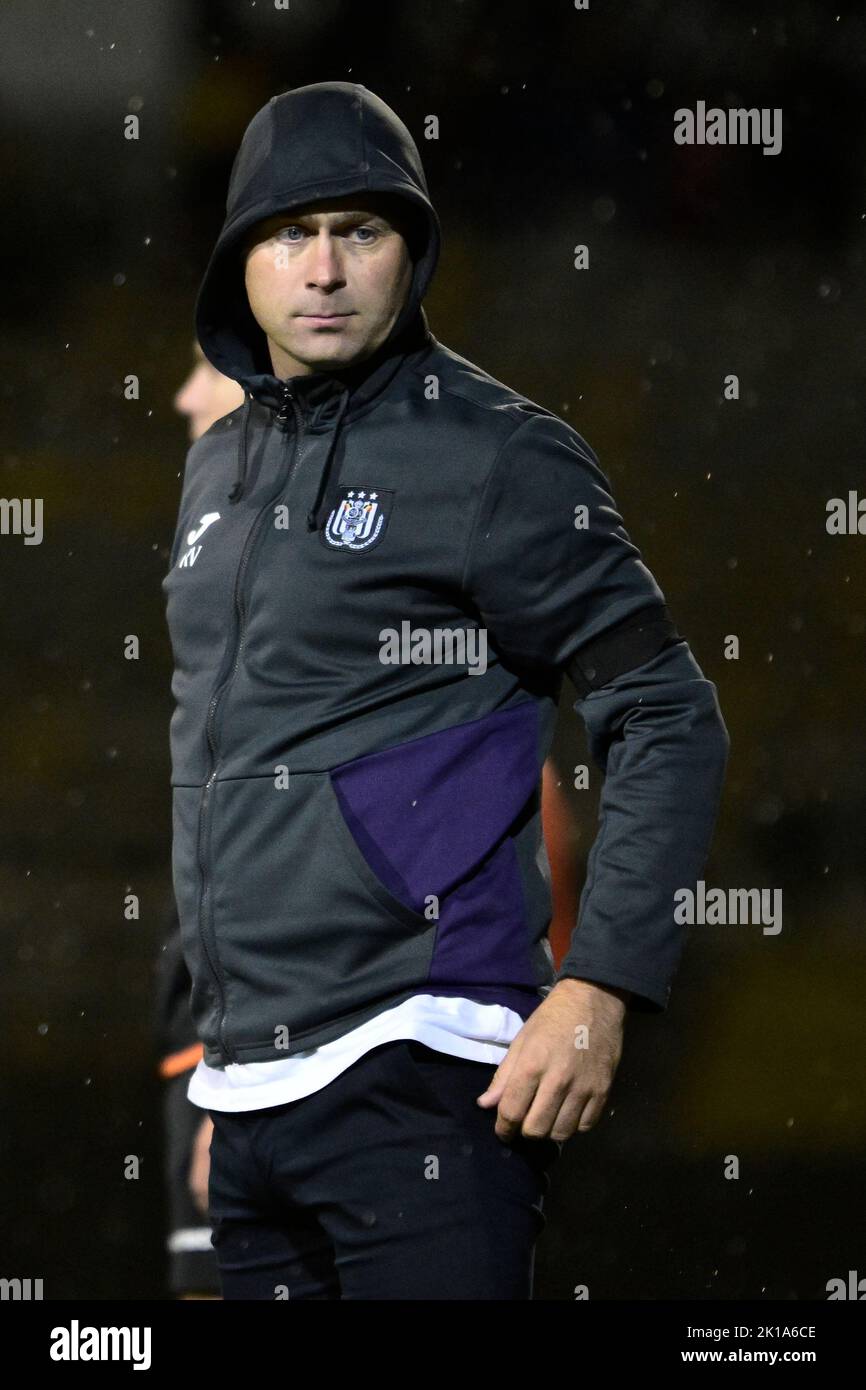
(205, 913)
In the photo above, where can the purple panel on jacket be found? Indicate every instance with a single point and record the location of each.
(428, 813)
(482, 927)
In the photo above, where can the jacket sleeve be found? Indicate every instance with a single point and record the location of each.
(560, 586)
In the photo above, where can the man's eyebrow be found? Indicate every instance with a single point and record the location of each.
(285, 219)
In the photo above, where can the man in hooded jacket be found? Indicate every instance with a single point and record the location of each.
(384, 563)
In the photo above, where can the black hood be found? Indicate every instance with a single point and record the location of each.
(324, 140)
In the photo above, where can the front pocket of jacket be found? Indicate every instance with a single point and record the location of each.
(347, 846)
(302, 938)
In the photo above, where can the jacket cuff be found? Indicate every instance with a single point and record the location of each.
(647, 996)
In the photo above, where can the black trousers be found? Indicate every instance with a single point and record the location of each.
(388, 1183)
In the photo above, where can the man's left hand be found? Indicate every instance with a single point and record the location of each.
(559, 1068)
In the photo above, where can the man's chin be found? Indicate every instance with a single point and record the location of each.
(326, 350)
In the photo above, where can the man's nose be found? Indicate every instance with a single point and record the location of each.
(326, 268)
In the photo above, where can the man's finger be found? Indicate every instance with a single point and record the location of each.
(569, 1116)
(543, 1112)
(517, 1098)
(499, 1079)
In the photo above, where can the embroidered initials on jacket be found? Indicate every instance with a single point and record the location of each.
(190, 556)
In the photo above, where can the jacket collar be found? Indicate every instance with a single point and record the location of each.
(328, 400)
(363, 381)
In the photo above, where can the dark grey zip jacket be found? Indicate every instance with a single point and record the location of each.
(352, 827)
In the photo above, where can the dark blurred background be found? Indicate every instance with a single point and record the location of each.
(555, 128)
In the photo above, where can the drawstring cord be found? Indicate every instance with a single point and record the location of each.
(238, 485)
(323, 490)
(326, 486)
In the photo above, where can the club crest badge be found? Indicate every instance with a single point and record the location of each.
(359, 519)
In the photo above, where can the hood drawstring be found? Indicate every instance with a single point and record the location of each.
(240, 480)
(327, 484)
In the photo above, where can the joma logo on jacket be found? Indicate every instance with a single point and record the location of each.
(190, 556)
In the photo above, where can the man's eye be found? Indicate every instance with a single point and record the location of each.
(367, 234)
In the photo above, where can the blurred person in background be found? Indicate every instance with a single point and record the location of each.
(358, 854)
(205, 397)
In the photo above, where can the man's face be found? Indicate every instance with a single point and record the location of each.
(326, 281)
(206, 395)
